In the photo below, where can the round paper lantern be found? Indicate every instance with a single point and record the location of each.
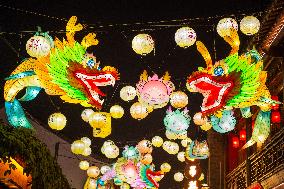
(142, 44)
(146, 159)
(116, 111)
(138, 110)
(77, 147)
(198, 119)
(157, 141)
(144, 147)
(243, 135)
(125, 186)
(97, 120)
(178, 176)
(57, 121)
(185, 142)
(105, 169)
(225, 25)
(84, 165)
(235, 142)
(127, 93)
(111, 151)
(86, 114)
(181, 156)
(178, 99)
(130, 152)
(93, 171)
(38, 46)
(87, 151)
(206, 127)
(171, 147)
(165, 167)
(185, 37)
(86, 140)
(275, 117)
(249, 25)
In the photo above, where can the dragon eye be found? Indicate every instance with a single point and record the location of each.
(218, 71)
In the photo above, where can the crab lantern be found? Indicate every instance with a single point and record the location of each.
(154, 91)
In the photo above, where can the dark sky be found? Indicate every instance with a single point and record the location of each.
(107, 17)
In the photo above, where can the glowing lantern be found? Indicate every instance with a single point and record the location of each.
(157, 141)
(116, 111)
(185, 37)
(181, 156)
(87, 151)
(206, 127)
(165, 167)
(201, 177)
(38, 46)
(138, 110)
(225, 25)
(97, 120)
(93, 171)
(127, 93)
(57, 121)
(84, 165)
(147, 159)
(198, 119)
(105, 169)
(125, 186)
(143, 44)
(130, 152)
(275, 117)
(144, 147)
(235, 142)
(110, 149)
(86, 114)
(171, 147)
(185, 142)
(275, 106)
(77, 147)
(249, 25)
(178, 99)
(178, 176)
(86, 140)
(101, 123)
(242, 135)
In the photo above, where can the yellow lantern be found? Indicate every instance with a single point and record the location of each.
(127, 93)
(86, 114)
(144, 147)
(165, 167)
(185, 142)
(84, 165)
(93, 171)
(157, 141)
(138, 110)
(143, 44)
(249, 25)
(206, 127)
(116, 111)
(125, 186)
(181, 156)
(147, 159)
(198, 119)
(178, 176)
(185, 37)
(77, 147)
(101, 123)
(57, 121)
(171, 147)
(38, 46)
(109, 149)
(178, 99)
(225, 25)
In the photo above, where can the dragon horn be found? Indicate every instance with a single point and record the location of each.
(233, 40)
(205, 54)
(144, 76)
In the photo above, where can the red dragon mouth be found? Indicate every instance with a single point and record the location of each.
(154, 177)
(214, 90)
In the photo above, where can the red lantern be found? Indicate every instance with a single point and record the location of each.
(275, 117)
(252, 125)
(242, 135)
(236, 142)
(275, 106)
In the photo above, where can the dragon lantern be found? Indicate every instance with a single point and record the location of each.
(67, 71)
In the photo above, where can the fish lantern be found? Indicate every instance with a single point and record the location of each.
(144, 147)
(93, 171)
(206, 127)
(249, 25)
(139, 111)
(199, 119)
(116, 111)
(105, 169)
(177, 123)
(84, 165)
(127, 93)
(243, 135)
(101, 123)
(157, 141)
(38, 46)
(165, 167)
(235, 142)
(77, 147)
(130, 152)
(171, 147)
(86, 114)
(225, 25)
(197, 150)
(181, 156)
(178, 99)
(146, 159)
(143, 44)
(154, 91)
(178, 176)
(57, 121)
(185, 37)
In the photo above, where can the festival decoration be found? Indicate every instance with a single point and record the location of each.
(246, 112)
(185, 37)
(105, 169)
(225, 26)
(116, 111)
(235, 142)
(178, 99)
(147, 159)
(238, 81)
(127, 93)
(39, 45)
(93, 171)
(185, 142)
(178, 176)
(154, 91)
(181, 156)
(206, 127)
(144, 147)
(171, 147)
(197, 150)
(130, 152)
(249, 25)
(275, 117)
(84, 165)
(125, 186)
(157, 141)
(165, 167)
(110, 150)
(57, 121)
(87, 141)
(86, 114)
(139, 111)
(243, 135)
(198, 119)
(143, 44)
(101, 123)
(177, 123)
(82, 146)
(275, 106)
(67, 71)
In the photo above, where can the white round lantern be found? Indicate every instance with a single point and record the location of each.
(38, 46)
(111, 151)
(57, 121)
(87, 151)
(165, 167)
(116, 111)
(105, 169)
(143, 44)
(178, 99)
(93, 171)
(86, 114)
(157, 141)
(138, 110)
(185, 142)
(225, 25)
(249, 25)
(86, 140)
(181, 156)
(178, 176)
(185, 37)
(127, 93)
(171, 147)
(84, 165)
(77, 147)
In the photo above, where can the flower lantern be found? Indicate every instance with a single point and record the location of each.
(143, 44)
(225, 25)
(157, 141)
(86, 114)
(84, 165)
(130, 171)
(116, 111)
(38, 46)
(165, 167)
(235, 142)
(185, 37)
(93, 171)
(198, 119)
(144, 147)
(178, 176)
(243, 135)
(275, 117)
(249, 25)
(178, 99)
(138, 110)
(57, 121)
(127, 93)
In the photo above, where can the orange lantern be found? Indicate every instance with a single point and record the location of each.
(242, 135)
(275, 117)
(144, 147)
(236, 142)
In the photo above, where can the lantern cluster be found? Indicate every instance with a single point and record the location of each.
(57, 121)
(82, 146)
(109, 149)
